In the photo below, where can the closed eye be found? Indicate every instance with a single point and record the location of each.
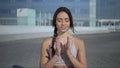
(67, 20)
(59, 20)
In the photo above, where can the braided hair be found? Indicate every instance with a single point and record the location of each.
(60, 9)
(53, 40)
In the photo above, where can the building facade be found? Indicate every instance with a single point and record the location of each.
(85, 12)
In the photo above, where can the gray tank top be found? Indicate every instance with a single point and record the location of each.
(64, 60)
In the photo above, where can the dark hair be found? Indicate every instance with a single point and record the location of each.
(60, 9)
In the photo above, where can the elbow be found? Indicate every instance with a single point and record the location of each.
(45, 66)
(84, 66)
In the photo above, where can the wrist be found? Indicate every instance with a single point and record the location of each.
(68, 53)
(56, 56)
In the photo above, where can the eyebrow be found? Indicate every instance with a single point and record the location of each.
(62, 18)
(66, 18)
(59, 18)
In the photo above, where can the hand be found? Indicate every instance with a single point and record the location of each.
(57, 47)
(67, 46)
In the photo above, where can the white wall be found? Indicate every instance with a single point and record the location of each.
(10, 33)
(5, 30)
(23, 29)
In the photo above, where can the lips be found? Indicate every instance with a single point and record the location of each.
(63, 28)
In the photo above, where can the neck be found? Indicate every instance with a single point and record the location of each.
(63, 37)
(63, 34)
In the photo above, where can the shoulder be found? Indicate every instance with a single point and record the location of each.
(46, 42)
(79, 42)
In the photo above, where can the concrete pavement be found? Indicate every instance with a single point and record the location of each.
(103, 50)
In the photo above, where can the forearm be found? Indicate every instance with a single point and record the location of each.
(50, 63)
(75, 62)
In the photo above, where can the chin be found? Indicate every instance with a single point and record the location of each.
(63, 31)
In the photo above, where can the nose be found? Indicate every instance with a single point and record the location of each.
(63, 22)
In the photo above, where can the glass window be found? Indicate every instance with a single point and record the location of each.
(21, 1)
(12, 11)
(84, 0)
(4, 11)
(37, 0)
(84, 11)
(5, 1)
(7, 11)
(69, 0)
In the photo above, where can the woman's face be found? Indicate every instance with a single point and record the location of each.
(62, 22)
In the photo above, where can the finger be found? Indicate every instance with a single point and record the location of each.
(57, 39)
(68, 42)
(58, 46)
(55, 45)
(61, 45)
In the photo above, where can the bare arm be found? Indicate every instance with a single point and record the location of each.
(44, 61)
(81, 62)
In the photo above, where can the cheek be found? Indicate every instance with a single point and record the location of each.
(68, 24)
(58, 25)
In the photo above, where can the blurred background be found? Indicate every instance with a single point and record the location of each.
(25, 23)
(35, 16)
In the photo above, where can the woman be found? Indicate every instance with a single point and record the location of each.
(63, 50)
